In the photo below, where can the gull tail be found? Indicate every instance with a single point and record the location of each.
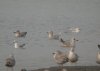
(61, 40)
(99, 46)
(22, 45)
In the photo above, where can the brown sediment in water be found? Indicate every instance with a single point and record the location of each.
(71, 68)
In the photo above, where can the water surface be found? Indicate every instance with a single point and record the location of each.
(39, 16)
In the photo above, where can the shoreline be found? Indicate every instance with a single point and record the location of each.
(70, 68)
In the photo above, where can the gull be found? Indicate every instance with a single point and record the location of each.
(75, 30)
(10, 62)
(72, 56)
(68, 43)
(20, 34)
(17, 45)
(60, 58)
(98, 56)
(52, 36)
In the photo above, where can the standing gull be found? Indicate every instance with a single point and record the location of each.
(20, 34)
(98, 55)
(60, 58)
(68, 43)
(72, 56)
(10, 62)
(52, 36)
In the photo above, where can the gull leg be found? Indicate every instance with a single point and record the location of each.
(12, 69)
(7, 68)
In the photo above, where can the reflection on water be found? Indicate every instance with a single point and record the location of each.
(36, 17)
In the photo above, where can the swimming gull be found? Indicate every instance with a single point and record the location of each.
(52, 36)
(10, 62)
(68, 43)
(17, 45)
(20, 34)
(75, 30)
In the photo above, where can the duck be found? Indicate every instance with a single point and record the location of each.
(20, 34)
(10, 61)
(60, 58)
(69, 43)
(52, 36)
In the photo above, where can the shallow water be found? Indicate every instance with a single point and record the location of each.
(39, 16)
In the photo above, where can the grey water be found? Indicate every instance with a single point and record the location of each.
(36, 17)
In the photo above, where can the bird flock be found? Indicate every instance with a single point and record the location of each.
(64, 57)
(59, 57)
(10, 61)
